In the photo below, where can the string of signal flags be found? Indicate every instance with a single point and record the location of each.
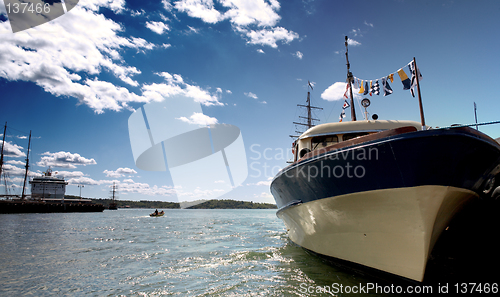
(372, 86)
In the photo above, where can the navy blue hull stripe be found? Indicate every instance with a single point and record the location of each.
(458, 157)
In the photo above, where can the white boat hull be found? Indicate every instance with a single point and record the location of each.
(393, 230)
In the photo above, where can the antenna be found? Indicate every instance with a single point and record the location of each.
(475, 114)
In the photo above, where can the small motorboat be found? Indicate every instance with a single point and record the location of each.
(157, 214)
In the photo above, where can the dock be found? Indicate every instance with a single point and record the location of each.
(33, 206)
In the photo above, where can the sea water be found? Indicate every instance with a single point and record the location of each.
(184, 253)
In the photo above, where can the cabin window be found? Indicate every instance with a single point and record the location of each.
(353, 135)
(303, 152)
(320, 142)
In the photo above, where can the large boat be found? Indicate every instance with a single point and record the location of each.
(113, 205)
(379, 193)
(47, 193)
(48, 187)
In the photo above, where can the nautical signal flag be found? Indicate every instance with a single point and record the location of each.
(386, 86)
(346, 89)
(411, 66)
(404, 79)
(342, 114)
(361, 88)
(391, 77)
(376, 88)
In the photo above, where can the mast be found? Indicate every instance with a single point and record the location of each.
(3, 145)
(422, 118)
(309, 108)
(27, 166)
(309, 117)
(349, 81)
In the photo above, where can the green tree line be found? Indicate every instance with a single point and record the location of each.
(232, 204)
(131, 204)
(211, 204)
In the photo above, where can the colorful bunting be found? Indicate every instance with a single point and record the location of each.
(413, 78)
(355, 83)
(404, 79)
(366, 89)
(342, 114)
(374, 87)
(361, 88)
(346, 89)
(386, 86)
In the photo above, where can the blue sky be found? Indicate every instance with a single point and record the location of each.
(75, 81)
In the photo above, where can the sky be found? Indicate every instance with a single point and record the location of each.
(75, 81)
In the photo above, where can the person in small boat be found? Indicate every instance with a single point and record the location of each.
(156, 212)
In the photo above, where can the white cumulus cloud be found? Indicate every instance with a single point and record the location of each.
(353, 42)
(202, 9)
(337, 91)
(13, 150)
(269, 37)
(68, 174)
(64, 160)
(87, 181)
(251, 95)
(157, 27)
(86, 43)
(255, 20)
(119, 172)
(198, 118)
(175, 85)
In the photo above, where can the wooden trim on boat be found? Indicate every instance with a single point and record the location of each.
(358, 140)
(478, 134)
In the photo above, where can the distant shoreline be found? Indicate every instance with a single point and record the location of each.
(232, 204)
(200, 204)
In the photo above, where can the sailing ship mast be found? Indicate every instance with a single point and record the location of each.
(3, 145)
(113, 205)
(309, 124)
(27, 166)
(27, 161)
(113, 191)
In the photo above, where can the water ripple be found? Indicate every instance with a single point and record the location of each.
(128, 253)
